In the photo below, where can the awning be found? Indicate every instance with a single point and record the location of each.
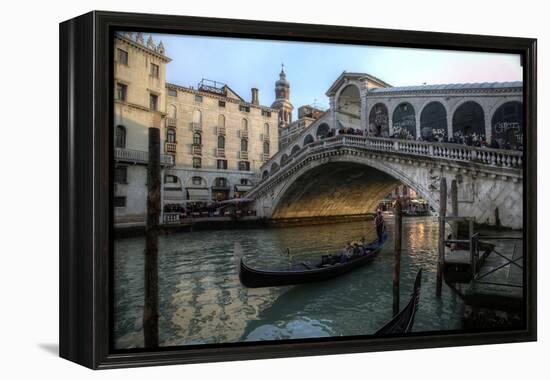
(242, 188)
(198, 194)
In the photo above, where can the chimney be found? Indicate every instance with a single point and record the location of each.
(255, 100)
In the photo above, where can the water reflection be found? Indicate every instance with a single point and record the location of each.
(202, 301)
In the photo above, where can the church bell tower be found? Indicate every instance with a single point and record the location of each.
(282, 102)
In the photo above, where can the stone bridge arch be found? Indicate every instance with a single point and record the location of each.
(341, 185)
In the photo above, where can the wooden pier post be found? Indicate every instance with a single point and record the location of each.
(150, 308)
(454, 208)
(398, 229)
(442, 215)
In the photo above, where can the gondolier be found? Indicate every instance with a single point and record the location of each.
(379, 224)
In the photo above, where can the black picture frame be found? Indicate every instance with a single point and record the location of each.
(86, 152)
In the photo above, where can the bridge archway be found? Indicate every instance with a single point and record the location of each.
(341, 186)
(348, 106)
(308, 139)
(433, 121)
(404, 121)
(379, 120)
(322, 131)
(468, 119)
(507, 125)
(295, 149)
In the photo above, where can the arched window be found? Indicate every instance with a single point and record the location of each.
(171, 135)
(284, 159)
(323, 130)
(221, 142)
(295, 149)
(308, 140)
(197, 117)
(468, 121)
(265, 174)
(244, 145)
(197, 181)
(221, 121)
(274, 167)
(404, 121)
(507, 125)
(379, 120)
(244, 125)
(433, 122)
(172, 111)
(221, 182)
(266, 129)
(266, 147)
(120, 137)
(197, 139)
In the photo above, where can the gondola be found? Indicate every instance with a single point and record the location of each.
(403, 322)
(329, 267)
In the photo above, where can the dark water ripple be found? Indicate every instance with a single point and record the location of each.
(202, 301)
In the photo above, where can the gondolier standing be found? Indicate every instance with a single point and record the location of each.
(379, 224)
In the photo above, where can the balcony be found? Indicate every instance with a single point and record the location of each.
(170, 122)
(197, 150)
(170, 147)
(140, 157)
(196, 127)
(220, 152)
(243, 155)
(243, 134)
(220, 130)
(265, 137)
(265, 156)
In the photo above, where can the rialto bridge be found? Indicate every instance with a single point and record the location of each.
(324, 173)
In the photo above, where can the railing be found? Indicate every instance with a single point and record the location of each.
(220, 152)
(170, 147)
(170, 122)
(196, 127)
(140, 157)
(197, 150)
(243, 155)
(243, 134)
(455, 152)
(264, 156)
(265, 137)
(220, 130)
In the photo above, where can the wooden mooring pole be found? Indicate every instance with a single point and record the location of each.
(454, 207)
(150, 309)
(397, 254)
(442, 215)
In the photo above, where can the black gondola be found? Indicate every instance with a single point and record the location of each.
(328, 267)
(403, 322)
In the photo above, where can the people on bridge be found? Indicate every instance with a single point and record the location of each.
(380, 225)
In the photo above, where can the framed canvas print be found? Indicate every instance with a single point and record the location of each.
(238, 189)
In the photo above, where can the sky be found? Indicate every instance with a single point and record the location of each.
(311, 68)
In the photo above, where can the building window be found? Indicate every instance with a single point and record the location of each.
(153, 101)
(171, 135)
(197, 139)
(221, 121)
(244, 108)
(154, 70)
(121, 174)
(266, 147)
(244, 145)
(198, 98)
(221, 103)
(122, 56)
(244, 125)
(245, 181)
(197, 162)
(121, 91)
(266, 129)
(221, 142)
(266, 113)
(222, 164)
(197, 181)
(221, 182)
(244, 166)
(171, 179)
(120, 137)
(172, 92)
(119, 201)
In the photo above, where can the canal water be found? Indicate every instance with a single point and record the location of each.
(202, 301)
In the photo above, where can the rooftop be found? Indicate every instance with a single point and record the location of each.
(451, 86)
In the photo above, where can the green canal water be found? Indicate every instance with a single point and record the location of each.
(202, 301)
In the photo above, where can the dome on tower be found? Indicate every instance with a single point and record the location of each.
(282, 79)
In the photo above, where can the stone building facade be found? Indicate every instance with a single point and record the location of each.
(213, 140)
